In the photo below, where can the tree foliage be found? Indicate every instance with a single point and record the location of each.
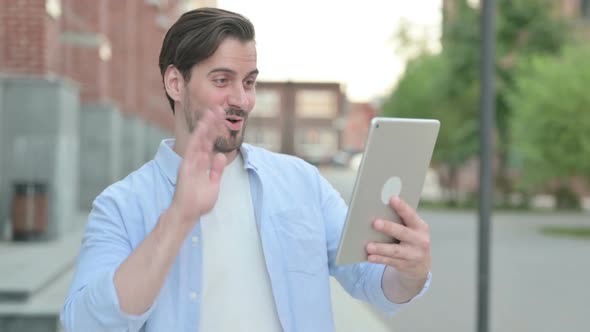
(526, 28)
(443, 86)
(424, 92)
(446, 86)
(551, 122)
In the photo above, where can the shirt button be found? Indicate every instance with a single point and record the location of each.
(193, 296)
(195, 240)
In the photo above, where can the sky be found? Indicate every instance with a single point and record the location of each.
(351, 42)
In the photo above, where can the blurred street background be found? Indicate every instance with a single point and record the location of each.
(82, 106)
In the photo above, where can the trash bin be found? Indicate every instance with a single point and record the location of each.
(29, 211)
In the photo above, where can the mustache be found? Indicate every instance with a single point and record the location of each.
(236, 112)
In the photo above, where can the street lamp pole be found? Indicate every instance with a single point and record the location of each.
(486, 187)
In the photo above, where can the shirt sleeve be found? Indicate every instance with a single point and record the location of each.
(362, 281)
(92, 303)
(381, 300)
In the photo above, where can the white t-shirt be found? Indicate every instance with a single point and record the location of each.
(237, 295)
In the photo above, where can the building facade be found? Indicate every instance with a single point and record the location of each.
(298, 118)
(81, 98)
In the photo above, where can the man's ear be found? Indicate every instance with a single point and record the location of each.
(174, 83)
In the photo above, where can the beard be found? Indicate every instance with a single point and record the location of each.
(222, 144)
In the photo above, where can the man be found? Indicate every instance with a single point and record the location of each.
(216, 235)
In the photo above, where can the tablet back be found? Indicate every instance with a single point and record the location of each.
(395, 161)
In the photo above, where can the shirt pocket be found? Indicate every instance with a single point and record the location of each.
(302, 239)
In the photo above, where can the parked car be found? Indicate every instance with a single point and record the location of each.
(342, 158)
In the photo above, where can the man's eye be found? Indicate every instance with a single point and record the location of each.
(250, 83)
(220, 81)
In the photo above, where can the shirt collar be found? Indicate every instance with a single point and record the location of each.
(249, 154)
(169, 161)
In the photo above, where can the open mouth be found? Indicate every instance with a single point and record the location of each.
(234, 123)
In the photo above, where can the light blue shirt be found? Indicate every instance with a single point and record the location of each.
(299, 216)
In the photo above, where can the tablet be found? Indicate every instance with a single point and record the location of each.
(395, 161)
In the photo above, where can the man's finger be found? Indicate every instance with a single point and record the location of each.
(218, 112)
(202, 162)
(215, 120)
(395, 230)
(195, 141)
(217, 167)
(390, 250)
(406, 212)
(399, 264)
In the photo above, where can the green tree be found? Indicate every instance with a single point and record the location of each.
(551, 126)
(443, 86)
(423, 92)
(446, 86)
(526, 28)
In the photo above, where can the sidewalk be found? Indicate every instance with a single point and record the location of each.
(34, 281)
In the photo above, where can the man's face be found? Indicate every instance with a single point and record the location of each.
(227, 80)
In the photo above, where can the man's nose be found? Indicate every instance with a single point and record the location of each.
(238, 97)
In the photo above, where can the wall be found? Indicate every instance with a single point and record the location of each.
(40, 143)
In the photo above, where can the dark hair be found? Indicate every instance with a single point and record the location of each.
(196, 35)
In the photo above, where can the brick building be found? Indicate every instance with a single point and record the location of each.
(81, 98)
(356, 129)
(107, 47)
(298, 118)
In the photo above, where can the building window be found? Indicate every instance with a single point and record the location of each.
(264, 137)
(156, 3)
(585, 8)
(268, 103)
(316, 144)
(316, 104)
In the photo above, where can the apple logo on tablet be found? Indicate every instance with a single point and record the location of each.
(393, 186)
